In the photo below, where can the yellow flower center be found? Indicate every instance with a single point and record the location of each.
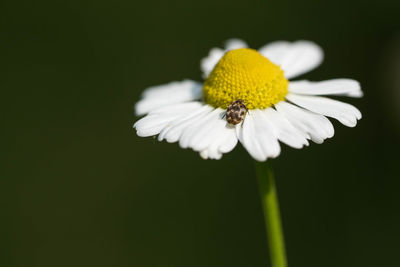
(245, 74)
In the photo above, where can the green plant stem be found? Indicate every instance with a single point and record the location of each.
(272, 216)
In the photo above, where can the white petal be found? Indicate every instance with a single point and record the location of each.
(223, 143)
(210, 153)
(209, 131)
(235, 43)
(171, 93)
(228, 139)
(284, 130)
(189, 133)
(208, 63)
(173, 131)
(294, 58)
(265, 133)
(276, 51)
(212, 133)
(345, 87)
(316, 126)
(154, 122)
(204, 154)
(343, 112)
(257, 136)
(246, 134)
(195, 125)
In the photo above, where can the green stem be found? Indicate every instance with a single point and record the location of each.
(272, 217)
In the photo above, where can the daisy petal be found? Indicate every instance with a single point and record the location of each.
(208, 63)
(208, 133)
(246, 134)
(194, 125)
(224, 143)
(316, 126)
(284, 130)
(294, 58)
(228, 140)
(221, 139)
(343, 112)
(171, 93)
(257, 136)
(234, 43)
(345, 87)
(210, 154)
(173, 131)
(186, 139)
(211, 130)
(154, 122)
(275, 51)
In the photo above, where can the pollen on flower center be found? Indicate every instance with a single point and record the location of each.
(245, 74)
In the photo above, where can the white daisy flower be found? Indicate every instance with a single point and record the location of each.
(271, 108)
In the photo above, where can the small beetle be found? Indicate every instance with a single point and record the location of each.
(236, 112)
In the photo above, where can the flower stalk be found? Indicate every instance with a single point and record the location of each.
(271, 212)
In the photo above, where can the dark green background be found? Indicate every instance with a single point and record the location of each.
(79, 188)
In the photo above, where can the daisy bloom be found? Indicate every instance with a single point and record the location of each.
(269, 108)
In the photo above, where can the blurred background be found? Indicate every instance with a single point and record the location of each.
(79, 188)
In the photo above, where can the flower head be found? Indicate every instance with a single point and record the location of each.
(253, 89)
(245, 74)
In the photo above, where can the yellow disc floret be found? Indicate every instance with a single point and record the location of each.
(247, 75)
